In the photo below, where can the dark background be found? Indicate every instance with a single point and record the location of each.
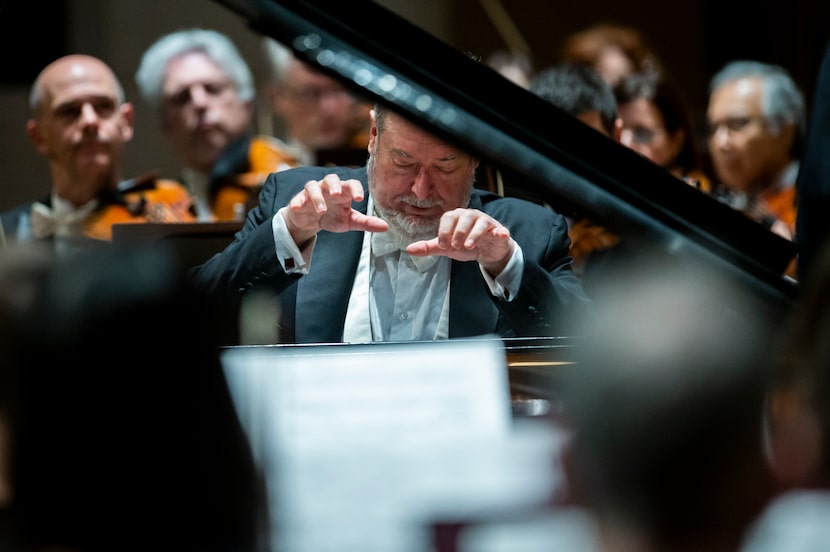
(692, 38)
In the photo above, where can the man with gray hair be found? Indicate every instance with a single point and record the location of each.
(203, 94)
(756, 119)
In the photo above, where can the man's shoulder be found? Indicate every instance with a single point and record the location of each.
(494, 203)
(11, 219)
(15, 212)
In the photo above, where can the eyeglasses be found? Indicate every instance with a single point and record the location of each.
(313, 96)
(732, 124)
(641, 134)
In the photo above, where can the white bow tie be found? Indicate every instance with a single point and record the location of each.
(46, 222)
(384, 243)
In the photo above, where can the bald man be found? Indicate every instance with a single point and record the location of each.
(80, 123)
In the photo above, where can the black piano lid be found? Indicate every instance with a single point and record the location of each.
(386, 58)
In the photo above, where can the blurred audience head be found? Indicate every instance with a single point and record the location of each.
(580, 91)
(756, 119)
(656, 121)
(514, 66)
(613, 50)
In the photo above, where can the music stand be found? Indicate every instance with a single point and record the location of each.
(192, 242)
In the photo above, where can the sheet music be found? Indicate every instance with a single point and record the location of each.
(364, 446)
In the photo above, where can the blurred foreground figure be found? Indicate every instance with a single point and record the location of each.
(798, 422)
(122, 431)
(667, 449)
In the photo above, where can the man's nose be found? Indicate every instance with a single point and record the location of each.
(719, 136)
(198, 95)
(88, 114)
(422, 186)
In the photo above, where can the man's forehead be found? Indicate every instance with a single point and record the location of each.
(192, 68)
(740, 91)
(408, 138)
(81, 90)
(741, 96)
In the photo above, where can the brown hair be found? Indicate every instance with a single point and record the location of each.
(585, 46)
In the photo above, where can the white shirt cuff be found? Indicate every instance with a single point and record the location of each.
(292, 260)
(506, 285)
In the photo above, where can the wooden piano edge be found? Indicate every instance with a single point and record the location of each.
(534, 365)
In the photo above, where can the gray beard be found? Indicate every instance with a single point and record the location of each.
(409, 228)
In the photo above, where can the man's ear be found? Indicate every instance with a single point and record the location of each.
(36, 136)
(128, 114)
(373, 131)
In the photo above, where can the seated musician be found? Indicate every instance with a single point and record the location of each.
(81, 124)
(756, 116)
(322, 122)
(404, 248)
(203, 94)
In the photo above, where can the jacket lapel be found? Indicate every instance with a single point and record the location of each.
(472, 312)
(321, 299)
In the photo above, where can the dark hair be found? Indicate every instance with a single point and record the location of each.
(577, 89)
(124, 430)
(667, 97)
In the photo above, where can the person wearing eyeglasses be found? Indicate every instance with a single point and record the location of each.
(203, 93)
(756, 119)
(322, 122)
(656, 124)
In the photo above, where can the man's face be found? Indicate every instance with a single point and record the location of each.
(746, 150)
(202, 112)
(644, 131)
(414, 177)
(81, 127)
(318, 111)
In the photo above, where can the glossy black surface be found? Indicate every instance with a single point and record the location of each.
(386, 58)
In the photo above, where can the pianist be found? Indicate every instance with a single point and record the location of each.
(401, 249)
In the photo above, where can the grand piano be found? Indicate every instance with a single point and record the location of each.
(383, 57)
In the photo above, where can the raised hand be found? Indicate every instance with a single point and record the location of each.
(469, 235)
(327, 205)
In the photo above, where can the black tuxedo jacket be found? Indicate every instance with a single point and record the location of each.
(313, 306)
(12, 219)
(812, 227)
